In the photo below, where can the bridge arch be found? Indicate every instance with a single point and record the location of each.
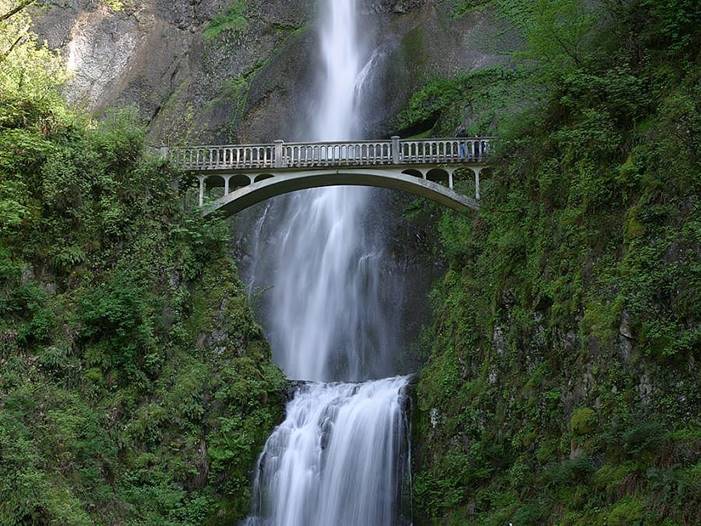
(440, 175)
(263, 177)
(414, 172)
(288, 182)
(250, 173)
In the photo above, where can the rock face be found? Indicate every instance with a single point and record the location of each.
(198, 78)
(156, 55)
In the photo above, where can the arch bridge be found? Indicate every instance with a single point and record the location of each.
(252, 173)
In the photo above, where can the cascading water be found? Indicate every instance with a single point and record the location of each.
(340, 457)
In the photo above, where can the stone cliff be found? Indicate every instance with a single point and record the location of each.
(235, 70)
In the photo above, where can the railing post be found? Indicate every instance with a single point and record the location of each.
(396, 154)
(279, 161)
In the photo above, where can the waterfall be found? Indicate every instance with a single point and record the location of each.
(330, 314)
(340, 456)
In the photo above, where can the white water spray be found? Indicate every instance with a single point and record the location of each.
(340, 457)
(330, 309)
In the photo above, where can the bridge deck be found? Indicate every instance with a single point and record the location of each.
(259, 171)
(281, 155)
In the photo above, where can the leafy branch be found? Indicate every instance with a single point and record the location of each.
(12, 12)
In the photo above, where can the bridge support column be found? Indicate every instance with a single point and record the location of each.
(201, 197)
(226, 184)
(450, 178)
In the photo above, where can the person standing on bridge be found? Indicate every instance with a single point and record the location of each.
(462, 134)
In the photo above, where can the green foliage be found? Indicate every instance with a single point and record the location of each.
(233, 21)
(559, 386)
(558, 34)
(582, 421)
(627, 512)
(489, 94)
(135, 386)
(27, 68)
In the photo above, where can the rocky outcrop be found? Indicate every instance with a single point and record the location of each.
(251, 81)
(156, 55)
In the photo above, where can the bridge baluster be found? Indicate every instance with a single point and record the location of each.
(210, 159)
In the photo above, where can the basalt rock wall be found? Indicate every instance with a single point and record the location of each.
(234, 70)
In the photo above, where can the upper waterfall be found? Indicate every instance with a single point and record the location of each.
(336, 116)
(330, 315)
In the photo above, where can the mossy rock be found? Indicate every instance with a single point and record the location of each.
(583, 421)
(629, 511)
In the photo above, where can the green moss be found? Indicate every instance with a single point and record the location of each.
(233, 21)
(629, 511)
(136, 386)
(583, 421)
(558, 357)
(413, 48)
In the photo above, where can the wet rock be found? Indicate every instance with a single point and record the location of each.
(498, 340)
(645, 389)
(625, 336)
(435, 417)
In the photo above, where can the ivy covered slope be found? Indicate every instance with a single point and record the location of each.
(135, 386)
(563, 375)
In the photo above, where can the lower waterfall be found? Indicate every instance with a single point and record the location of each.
(340, 458)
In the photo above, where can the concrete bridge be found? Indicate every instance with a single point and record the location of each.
(251, 173)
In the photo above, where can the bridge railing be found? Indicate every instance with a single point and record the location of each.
(233, 157)
(283, 155)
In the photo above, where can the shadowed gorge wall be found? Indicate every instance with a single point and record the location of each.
(562, 376)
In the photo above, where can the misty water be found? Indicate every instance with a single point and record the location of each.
(341, 455)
